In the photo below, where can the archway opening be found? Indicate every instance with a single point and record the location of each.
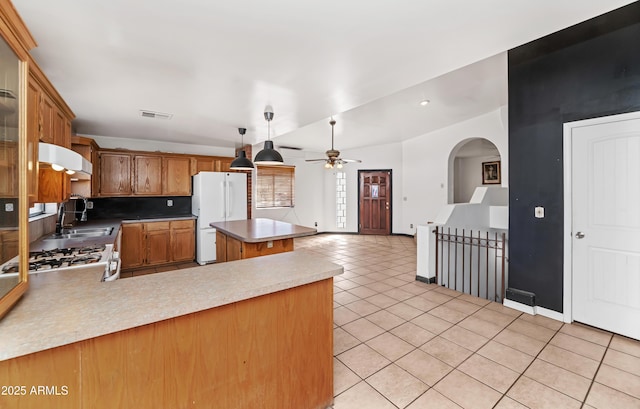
(466, 167)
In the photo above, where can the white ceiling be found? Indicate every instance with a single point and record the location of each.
(215, 65)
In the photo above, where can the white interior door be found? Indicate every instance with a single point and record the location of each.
(606, 225)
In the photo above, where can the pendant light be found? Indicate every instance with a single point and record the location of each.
(241, 162)
(268, 155)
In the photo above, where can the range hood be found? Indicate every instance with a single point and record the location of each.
(64, 159)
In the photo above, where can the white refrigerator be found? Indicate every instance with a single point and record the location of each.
(217, 196)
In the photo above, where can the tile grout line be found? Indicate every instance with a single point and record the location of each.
(593, 380)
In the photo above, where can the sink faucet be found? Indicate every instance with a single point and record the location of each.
(60, 221)
(83, 216)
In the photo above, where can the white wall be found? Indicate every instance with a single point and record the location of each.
(160, 146)
(420, 179)
(316, 188)
(309, 195)
(468, 176)
(380, 157)
(426, 168)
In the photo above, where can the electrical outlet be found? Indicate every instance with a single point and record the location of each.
(539, 212)
(169, 202)
(270, 244)
(316, 224)
(8, 207)
(89, 205)
(411, 226)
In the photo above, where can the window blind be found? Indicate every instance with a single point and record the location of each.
(275, 187)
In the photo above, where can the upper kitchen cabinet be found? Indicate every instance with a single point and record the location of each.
(176, 176)
(33, 137)
(147, 175)
(115, 174)
(137, 173)
(212, 164)
(49, 121)
(88, 148)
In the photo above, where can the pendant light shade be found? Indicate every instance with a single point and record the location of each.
(268, 155)
(241, 162)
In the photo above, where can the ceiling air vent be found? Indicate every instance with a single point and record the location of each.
(156, 115)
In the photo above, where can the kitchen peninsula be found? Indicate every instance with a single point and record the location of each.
(241, 239)
(250, 333)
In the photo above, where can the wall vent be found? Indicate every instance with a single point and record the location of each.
(156, 115)
(7, 93)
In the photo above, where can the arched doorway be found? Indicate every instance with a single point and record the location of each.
(466, 169)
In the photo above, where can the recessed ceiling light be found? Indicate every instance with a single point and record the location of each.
(424, 102)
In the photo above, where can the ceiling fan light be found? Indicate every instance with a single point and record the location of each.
(268, 155)
(339, 165)
(328, 165)
(241, 162)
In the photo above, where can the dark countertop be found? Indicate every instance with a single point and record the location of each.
(261, 230)
(48, 244)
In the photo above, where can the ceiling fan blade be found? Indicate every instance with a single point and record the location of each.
(316, 160)
(351, 160)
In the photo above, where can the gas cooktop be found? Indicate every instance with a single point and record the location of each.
(59, 258)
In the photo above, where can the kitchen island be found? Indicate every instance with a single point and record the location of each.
(242, 239)
(251, 333)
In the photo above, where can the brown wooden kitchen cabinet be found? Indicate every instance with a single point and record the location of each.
(147, 175)
(115, 174)
(33, 137)
(133, 245)
(183, 240)
(47, 108)
(157, 243)
(88, 148)
(8, 168)
(176, 176)
(49, 121)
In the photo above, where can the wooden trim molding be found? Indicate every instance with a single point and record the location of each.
(11, 22)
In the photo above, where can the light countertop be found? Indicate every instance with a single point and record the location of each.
(261, 230)
(73, 305)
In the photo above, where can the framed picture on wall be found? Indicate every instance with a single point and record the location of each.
(491, 173)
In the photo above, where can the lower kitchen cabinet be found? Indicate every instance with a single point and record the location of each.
(183, 240)
(133, 245)
(157, 243)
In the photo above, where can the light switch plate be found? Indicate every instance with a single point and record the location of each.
(169, 202)
(8, 207)
(539, 212)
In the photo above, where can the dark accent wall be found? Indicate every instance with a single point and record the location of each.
(139, 207)
(585, 71)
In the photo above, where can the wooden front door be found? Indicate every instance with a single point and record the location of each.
(375, 202)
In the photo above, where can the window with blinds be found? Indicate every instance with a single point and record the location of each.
(275, 186)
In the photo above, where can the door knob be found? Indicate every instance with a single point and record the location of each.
(579, 235)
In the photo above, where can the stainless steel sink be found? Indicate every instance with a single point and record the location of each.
(76, 230)
(80, 233)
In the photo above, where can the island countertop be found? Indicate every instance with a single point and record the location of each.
(64, 307)
(261, 230)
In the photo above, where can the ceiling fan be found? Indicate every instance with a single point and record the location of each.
(333, 156)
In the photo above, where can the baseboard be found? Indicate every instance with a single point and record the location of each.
(428, 280)
(358, 233)
(536, 310)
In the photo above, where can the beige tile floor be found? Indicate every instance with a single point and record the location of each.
(399, 343)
